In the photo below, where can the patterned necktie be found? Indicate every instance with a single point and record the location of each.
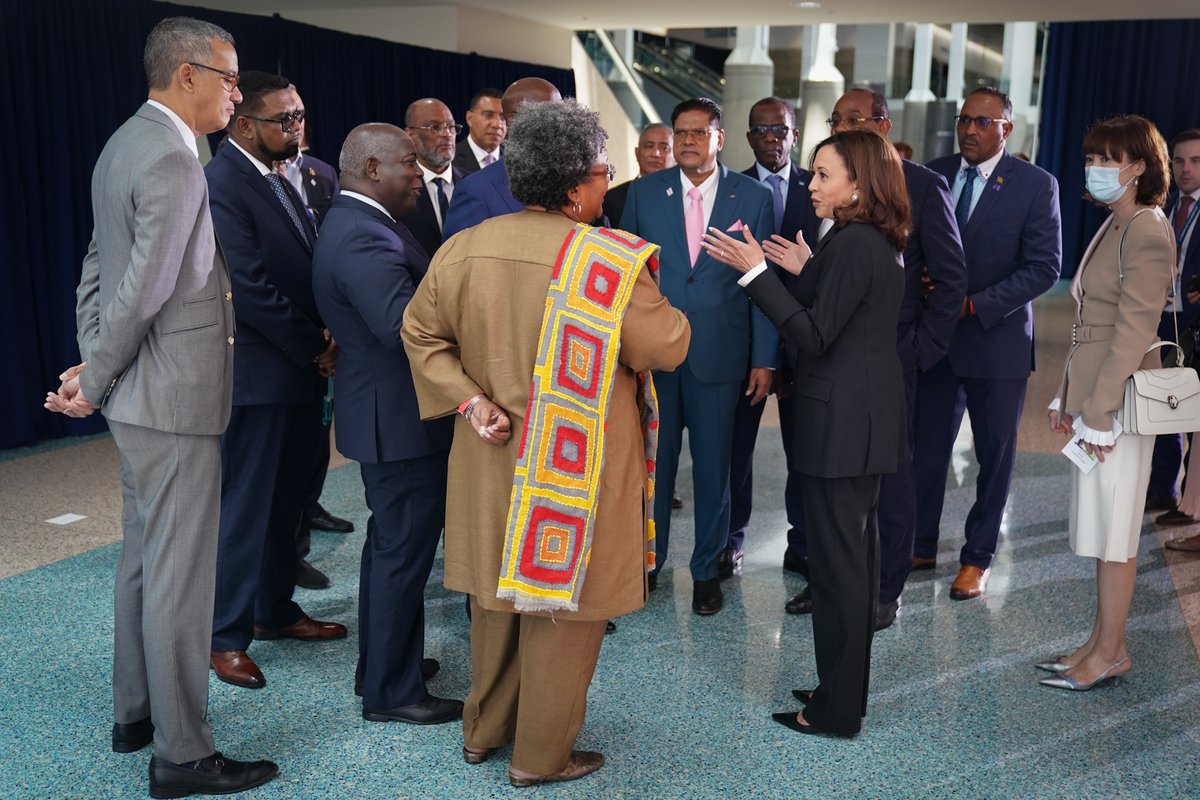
(962, 211)
(1181, 214)
(776, 182)
(694, 223)
(488, 160)
(442, 201)
(288, 206)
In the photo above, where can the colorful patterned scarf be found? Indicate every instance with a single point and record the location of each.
(557, 479)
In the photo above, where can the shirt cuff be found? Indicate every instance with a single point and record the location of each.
(752, 274)
(1093, 436)
(1055, 405)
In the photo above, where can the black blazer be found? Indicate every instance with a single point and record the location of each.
(464, 157)
(614, 202)
(320, 185)
(840, 320)
(422, 221)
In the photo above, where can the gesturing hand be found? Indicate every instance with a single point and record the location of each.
(742, 256)
(792, 256)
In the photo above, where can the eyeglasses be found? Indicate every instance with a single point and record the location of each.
(438, 128)
(287, 122)
(695, 133)
(980, 122)
(228, 79)
(779, 131)
(608, 169)
(852, 122)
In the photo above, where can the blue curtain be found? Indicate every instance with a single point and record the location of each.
(71, 73)
(1097, 69)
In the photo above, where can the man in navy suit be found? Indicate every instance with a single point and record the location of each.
(1183, 211)
(1008, 217)
(486, 194)
(365, 270)
(730, 338)
(486, 131)
(772, 135)
(432, 128)
(281, 354)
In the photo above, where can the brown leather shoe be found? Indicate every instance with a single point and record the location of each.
(306, 629)
(236, 668)
(971, 582)
(920, 562)
(1189, 544)
(581, 763)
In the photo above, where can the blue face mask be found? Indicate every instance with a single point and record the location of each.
(1104, 183)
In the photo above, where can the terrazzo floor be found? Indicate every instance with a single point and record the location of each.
(680, 705)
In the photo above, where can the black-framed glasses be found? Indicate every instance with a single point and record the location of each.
(983, 123)
(605, 169)
(779, 131)
(228, 79)
(694, 133)
(438, 128)
(287, 122)
(853, 122)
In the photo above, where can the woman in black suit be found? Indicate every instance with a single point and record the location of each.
(839, 329)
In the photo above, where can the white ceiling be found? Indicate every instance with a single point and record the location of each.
(663, 14)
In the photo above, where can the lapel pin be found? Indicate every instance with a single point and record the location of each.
(670, 192)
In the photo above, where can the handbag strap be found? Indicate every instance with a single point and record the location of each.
(1121, 277)
(1178, 350)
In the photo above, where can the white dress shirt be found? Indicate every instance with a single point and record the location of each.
(986, 168)
(479, 152)
(448, 176)
(372, 202)
(189, 138)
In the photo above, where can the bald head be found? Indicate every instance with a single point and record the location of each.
(379, 160)
(527, 90)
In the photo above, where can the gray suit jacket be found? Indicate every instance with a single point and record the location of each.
(154, 311)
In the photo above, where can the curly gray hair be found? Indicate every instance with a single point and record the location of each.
(550, 149)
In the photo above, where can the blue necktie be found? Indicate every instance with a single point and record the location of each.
(442, 201)
(776, 182)
(962, 211)
(288, 206)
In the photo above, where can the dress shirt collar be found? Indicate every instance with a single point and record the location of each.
(708, 189)
(985, 168)
(362, 198)
(262, 168)
(189, 138)
(480, 152)
(764, 173)
(428, 175)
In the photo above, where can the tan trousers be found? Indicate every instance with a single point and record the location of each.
(553, 660)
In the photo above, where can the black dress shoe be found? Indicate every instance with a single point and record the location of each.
(430, 711)
(707, 598)
(1174, 519)
(429, 668)
(799, 603)
(1159, 502)
(652, 581)
(322, 520)
(729, 562)
(885, 614)
(309, 577)
(213, 775)
(129, 737)
(796, 564)
(609, 627)
(676, 502)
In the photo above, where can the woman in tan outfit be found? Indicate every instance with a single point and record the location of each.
(1121, 287)
(473, 333)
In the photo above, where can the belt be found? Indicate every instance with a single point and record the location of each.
(1081, 334)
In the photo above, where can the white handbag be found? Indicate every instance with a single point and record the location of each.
(1163, 400)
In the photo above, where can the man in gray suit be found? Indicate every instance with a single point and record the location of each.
(156, 332)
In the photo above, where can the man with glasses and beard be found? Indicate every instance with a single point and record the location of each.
(282, 354)
(432, 128)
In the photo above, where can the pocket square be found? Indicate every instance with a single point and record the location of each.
(735, 227)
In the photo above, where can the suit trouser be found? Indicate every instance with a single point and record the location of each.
(793, 499)
(898, 509)
(1166, 463)
(746, 419)
(266, 461)
(844, 581)
(408, 508)
(171, 489)
(995, 407)
(707, 411)
(553, 660)
(316, 485)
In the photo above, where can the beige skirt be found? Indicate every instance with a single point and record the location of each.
(1108, 503)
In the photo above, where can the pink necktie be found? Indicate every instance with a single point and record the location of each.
(694, 222)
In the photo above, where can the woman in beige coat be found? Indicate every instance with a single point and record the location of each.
(1121, 287)
(473, 333)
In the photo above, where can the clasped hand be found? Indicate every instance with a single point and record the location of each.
(746, 255)
(490, 422)
(69, 399)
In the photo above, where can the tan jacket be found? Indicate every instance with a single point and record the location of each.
(473, 326)
(1117, 319)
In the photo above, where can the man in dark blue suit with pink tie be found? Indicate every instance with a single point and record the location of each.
(1008, 216)
(730, 339)
(365, 270)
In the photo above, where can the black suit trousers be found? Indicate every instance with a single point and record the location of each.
(843, 546)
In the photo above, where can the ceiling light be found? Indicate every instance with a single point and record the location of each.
(807, 5)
